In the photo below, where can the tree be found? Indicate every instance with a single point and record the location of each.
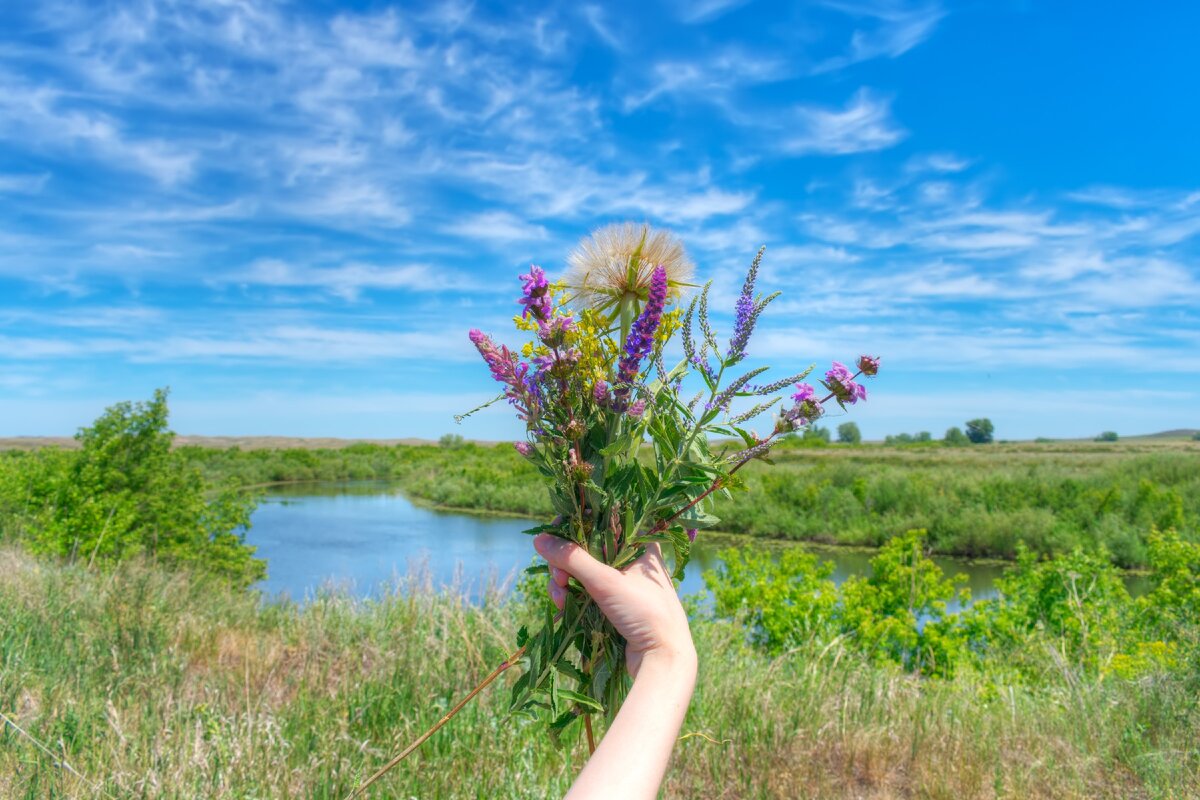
(848, 433)
(923, 436)
(1107, 436)
(979, 431)
(815, 434)
(125, 493)
(955, 437)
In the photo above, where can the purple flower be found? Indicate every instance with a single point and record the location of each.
(641, 336)
(691, 534)
(524, 448)
(804, 392)
(868, 365)
(746, 314)
(554, 332)
(600, 392)
(807, 409)
(637, 409)
(840, 381)
(508, 370)
(536, 295)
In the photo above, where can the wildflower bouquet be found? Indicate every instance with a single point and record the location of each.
(628, 460)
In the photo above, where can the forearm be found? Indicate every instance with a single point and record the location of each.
(632, 758)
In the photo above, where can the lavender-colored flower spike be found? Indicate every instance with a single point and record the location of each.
(637, 409)
(524, 448)
(743, 325)
(536, 295)
(691, 534)
(641, 337)
(508, 370)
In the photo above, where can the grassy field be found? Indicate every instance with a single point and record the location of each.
(155, 684)
(975, 501)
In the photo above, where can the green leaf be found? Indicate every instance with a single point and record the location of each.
(581, 699)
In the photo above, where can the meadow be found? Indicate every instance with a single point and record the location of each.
(151, 683)
(135, 662)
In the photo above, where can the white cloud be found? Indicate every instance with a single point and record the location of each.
(863, 125)
(17, 183)
(599, 23)
(937, 162)
(350, 280)
(697, 11)
(495, 227)
(898, 28)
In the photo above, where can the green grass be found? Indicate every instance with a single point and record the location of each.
(163, 685)
(975, 501)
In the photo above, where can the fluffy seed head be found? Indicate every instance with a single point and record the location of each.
(619, 260)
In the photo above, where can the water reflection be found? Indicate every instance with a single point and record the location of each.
(364, 535)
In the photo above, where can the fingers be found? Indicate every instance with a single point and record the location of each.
(573, 560)
(558, 594)
(558, 576)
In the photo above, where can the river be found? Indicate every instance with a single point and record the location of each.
(363, 536)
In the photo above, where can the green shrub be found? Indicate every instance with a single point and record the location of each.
(125, 493)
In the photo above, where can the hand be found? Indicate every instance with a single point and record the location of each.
(640, 601)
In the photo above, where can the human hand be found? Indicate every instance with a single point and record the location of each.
(640, 601)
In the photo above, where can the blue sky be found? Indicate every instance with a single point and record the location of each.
(292, 212)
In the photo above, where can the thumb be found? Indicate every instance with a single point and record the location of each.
(573, 559)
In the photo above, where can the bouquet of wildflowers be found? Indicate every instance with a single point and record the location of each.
(628, 458)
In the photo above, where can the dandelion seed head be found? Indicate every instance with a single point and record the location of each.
(599, 269)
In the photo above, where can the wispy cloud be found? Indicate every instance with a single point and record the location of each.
(863, 125)
(896, 28)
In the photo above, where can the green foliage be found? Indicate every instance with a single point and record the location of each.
(922, 437)
(884, 612)
(1076, 602)
(125, 493)
(451, 441)
(980, 431)
(782, 601)
(848, 433)
(1070, 615)
(816, 435)
(955, 437)
(1107, 436)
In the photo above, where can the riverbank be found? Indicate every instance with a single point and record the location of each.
(980, 502)
(160, 684)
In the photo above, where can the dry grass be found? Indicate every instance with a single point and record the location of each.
(164, 686)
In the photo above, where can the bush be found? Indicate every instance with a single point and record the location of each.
(980, 431)
(451, 441)
(848, 433)
(955, 437)
(126, 493)
(1107, 436)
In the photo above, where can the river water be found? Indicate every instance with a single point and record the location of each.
(363, 536)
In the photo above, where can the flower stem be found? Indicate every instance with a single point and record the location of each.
(504, 665)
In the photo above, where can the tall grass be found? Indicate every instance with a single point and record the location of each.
(166, 685)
